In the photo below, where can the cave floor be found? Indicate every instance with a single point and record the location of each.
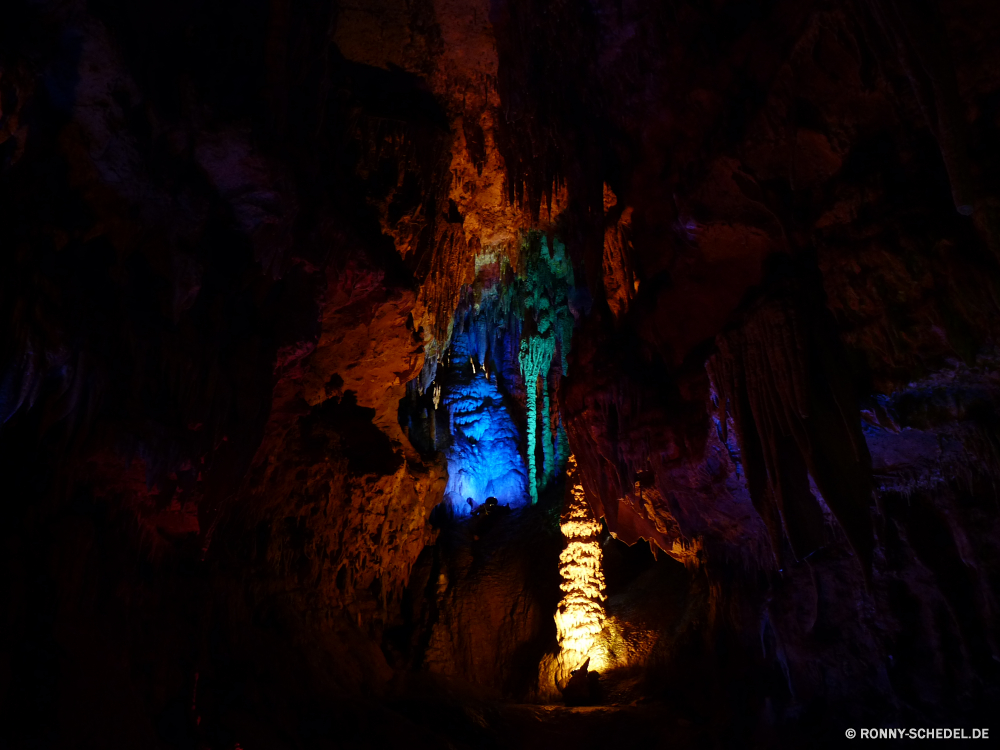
(544, 727)
(490, 725)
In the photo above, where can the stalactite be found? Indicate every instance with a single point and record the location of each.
(532, 386)
(544, 293)
(535, 358)
(922, 50)
(782, 381)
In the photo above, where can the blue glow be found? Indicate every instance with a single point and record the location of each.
(510, 337)
(483, 458)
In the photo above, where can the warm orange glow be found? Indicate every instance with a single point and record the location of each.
(580, 616)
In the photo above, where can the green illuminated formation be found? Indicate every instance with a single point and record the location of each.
(536, 358)
(543, 290)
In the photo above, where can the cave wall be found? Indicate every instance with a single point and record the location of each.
(212, 508)
(806, 139)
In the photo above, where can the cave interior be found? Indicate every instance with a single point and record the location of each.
(485, 374)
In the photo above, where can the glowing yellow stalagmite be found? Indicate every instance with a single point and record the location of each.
(580, 616)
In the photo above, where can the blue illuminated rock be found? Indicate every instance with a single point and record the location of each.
(483, 458)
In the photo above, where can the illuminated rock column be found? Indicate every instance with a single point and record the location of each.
(580, 615)
(535, 358)
(531, 384)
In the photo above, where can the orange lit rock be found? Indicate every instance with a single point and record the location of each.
(620, 284)
(580, 616)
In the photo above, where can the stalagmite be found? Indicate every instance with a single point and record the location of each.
(580, 615)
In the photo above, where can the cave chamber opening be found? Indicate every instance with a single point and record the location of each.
(489, 402)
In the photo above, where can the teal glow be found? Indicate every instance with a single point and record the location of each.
(536, 358)
(548, 324)
(508, 328)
